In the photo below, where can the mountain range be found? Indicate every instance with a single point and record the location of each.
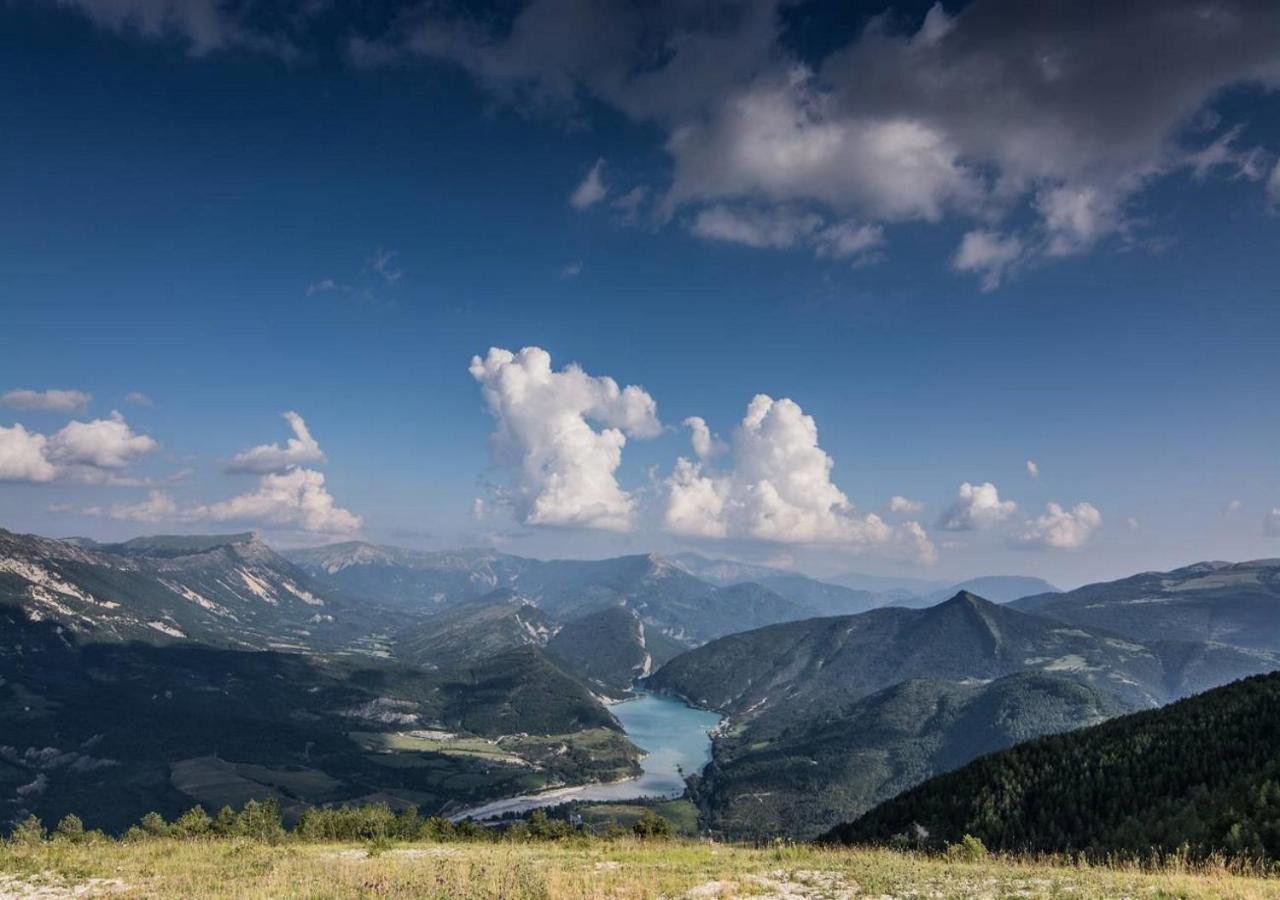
(852, 709)
(168, 670)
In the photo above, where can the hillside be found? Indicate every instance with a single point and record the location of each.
(1203, 773)
(829, 716)
(474, 630)
(799, 778)
(1229, 603)
(795, 668)
(223, 590)
(114, 729)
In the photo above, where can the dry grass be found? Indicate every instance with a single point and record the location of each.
(616, 869)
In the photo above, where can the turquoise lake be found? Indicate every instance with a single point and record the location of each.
(676, 740)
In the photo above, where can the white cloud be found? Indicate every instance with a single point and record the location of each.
(571, 269)
(784, 229)
(158, 507)
(775, 229)
(901, 505)
(592, 188)
(1132, 523)
(777, 489)
(564, 470)
(382, 264)
(297, 498)
(206, 25)
(705, 444)
(977, 116)
(1271, 522)
(1033, 468)
(52, 400)
(977, 506)
(988, 254)
(629, 204)
(1232, 506)
(101, 444)
(848, 240)
(23, 456)
(1059, 528)
(1273, 188)
(138, 398)
(301, 449)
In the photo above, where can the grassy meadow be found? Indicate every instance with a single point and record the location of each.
(619, 868)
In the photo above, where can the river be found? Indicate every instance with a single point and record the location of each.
(676, 741)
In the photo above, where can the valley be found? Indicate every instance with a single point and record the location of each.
(476, 684)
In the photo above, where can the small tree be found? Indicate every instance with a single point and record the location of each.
(260, 821)
(71, 829)
(195, 822)
(29, 831)
(154, 825)
(651, 825)
(224, 825)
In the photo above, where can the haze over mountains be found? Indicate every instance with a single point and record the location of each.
(170, 670)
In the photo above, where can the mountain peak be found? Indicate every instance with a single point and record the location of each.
(965, 598)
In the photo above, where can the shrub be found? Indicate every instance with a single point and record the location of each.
(29, 831)
(195, 822)
(651, 825)
(154, 825)
(71, 829)
(260, 821)
(225, 822)
(969, 849)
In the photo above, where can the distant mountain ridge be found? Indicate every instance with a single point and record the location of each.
(1221, 602)
(223, 590)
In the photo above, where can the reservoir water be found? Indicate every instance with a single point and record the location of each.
(675, 738)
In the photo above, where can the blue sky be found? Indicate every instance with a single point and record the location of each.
(333, 215)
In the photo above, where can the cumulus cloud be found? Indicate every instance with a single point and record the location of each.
(1059, 528)
(778, 488)
(591, 190)
(1002, 108)
(988, 254)
(705, 444)
(101, 444)
(901, 505)
(571, 269)
(138, 398)
(301, 449)
(297, 498)
(94, 451)
(1232, 506)
(1033, 468)
(978, 506)
(23, 456)
(51, 400)
(563, 468)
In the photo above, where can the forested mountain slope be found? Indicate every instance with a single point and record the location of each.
(1203, 773)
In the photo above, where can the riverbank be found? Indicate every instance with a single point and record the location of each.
(628, 869)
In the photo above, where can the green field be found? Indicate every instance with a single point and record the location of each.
(625, 868)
